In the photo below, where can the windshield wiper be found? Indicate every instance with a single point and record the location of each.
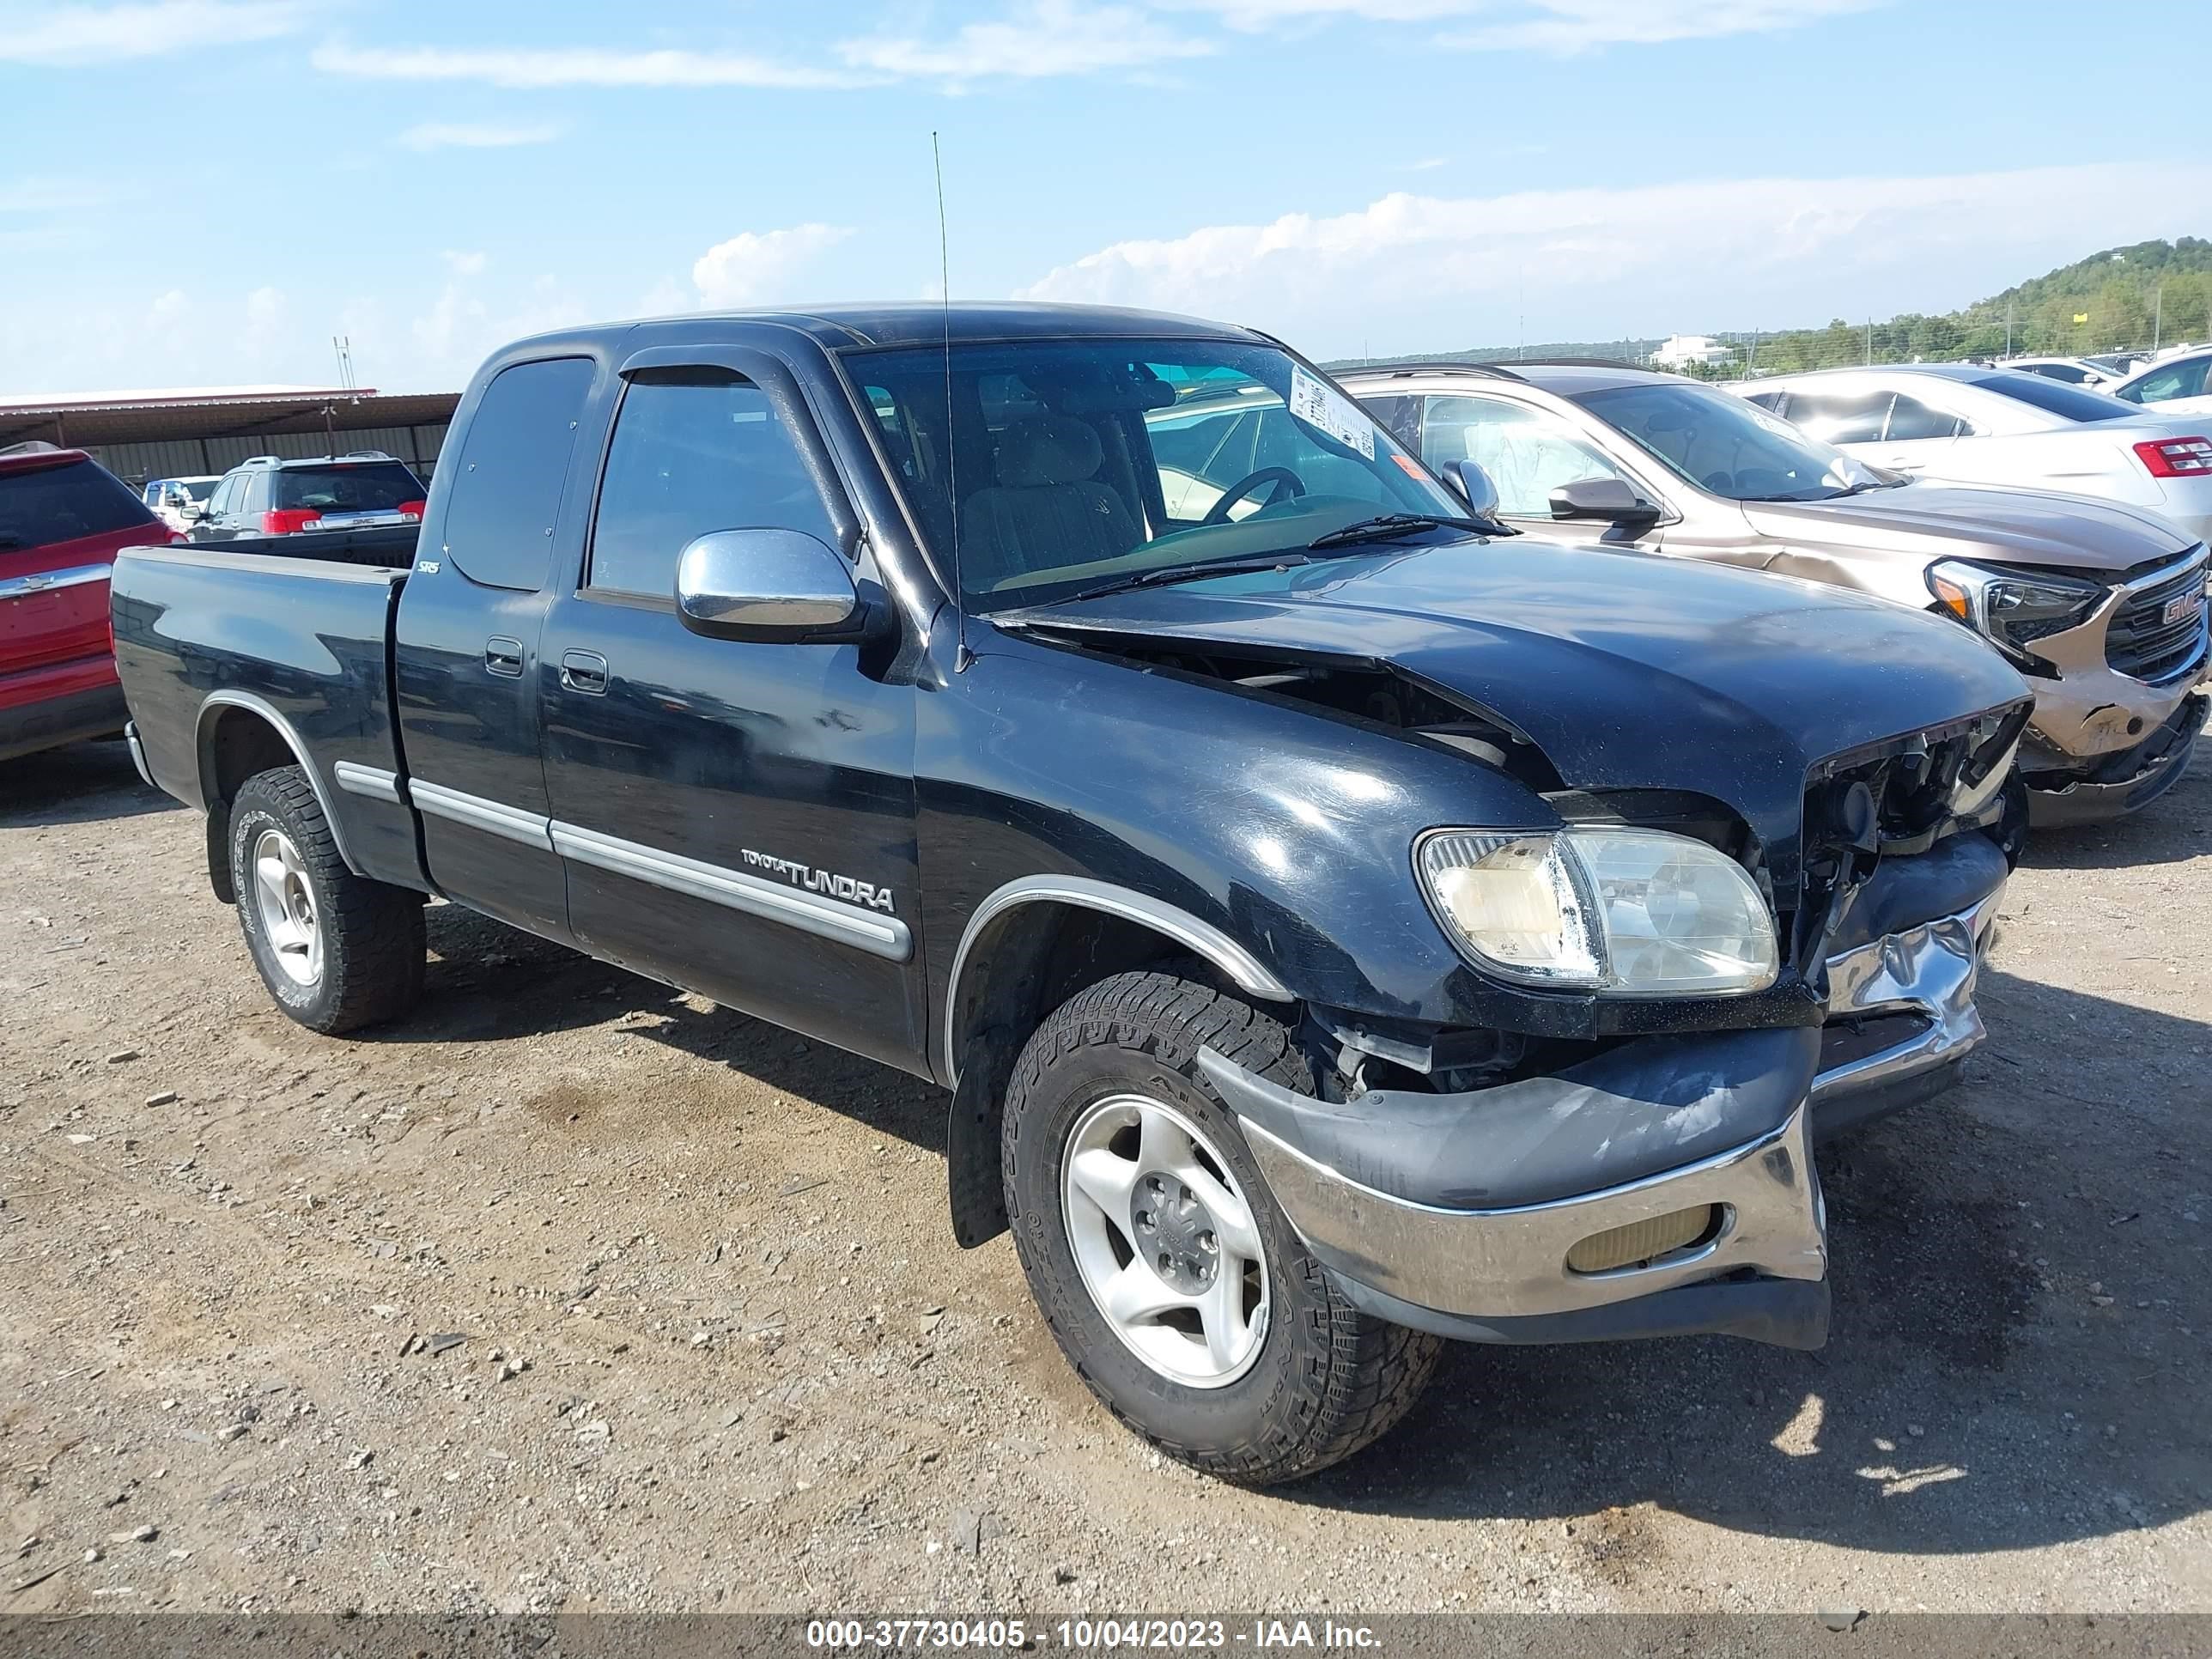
(1195, 570)
(1391, 526)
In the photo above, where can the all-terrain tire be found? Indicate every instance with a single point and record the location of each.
(372, 934)
(1328, 1379)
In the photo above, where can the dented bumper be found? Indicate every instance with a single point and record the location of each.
(1459, 1213)
(1662, 1187)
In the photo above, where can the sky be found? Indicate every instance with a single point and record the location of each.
(205, 191)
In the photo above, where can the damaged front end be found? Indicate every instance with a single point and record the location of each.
(1504, 1185)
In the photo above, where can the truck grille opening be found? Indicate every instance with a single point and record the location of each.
(2142, 645)
(1642, 1242)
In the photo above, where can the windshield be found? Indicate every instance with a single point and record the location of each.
(1724, 444)
(196, 489)
(2068, 402)
(1082, 461)
(375, 487)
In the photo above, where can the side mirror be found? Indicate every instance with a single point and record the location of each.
(767, 585)
(1475, 488)
(1608, 499)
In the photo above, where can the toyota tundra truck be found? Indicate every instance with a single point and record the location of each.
(1340, 928)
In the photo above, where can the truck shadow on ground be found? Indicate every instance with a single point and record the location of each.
(2012, 1360)
(75, 784)
(488, 983)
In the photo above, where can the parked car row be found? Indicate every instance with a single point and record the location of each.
(64, 516)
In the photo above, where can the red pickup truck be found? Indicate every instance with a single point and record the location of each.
(63, 517)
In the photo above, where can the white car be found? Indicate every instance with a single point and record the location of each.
(2180, 385)
(1977, 425)
(179, 502)
(2098, 373)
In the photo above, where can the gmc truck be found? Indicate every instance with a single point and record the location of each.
(1342, 925)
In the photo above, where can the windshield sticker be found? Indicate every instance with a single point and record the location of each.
(1326, 410)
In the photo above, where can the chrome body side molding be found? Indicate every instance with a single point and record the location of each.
(825, 918)
(474, 811)
(373, 781)
(1243, 969)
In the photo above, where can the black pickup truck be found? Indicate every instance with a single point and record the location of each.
(1341, 924)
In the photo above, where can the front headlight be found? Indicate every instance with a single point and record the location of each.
(1604, 908)
(2012, 607)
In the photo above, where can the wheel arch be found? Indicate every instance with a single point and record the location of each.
(239, 736)
(1032, 944)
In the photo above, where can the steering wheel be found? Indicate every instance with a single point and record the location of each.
(1281, 477)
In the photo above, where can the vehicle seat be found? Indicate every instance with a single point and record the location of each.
(1046, 510)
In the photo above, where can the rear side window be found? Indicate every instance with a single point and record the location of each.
(694, 451)
(2068, 402)
(507, 481)
(62, 503)
(1840, 417)
(1909, 418)
(367, 487)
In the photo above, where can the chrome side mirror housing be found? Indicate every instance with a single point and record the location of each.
(768, 585)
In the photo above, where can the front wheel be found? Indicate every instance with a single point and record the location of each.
(336, 951)
(1174, 1285)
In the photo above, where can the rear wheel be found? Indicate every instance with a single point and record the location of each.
(335, 950)
(1174, 1285)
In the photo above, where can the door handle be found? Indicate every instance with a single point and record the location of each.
(503, 657)
(583, 672)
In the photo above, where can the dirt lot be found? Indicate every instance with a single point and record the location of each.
(716, 1349)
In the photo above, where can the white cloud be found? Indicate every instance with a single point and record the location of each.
(1651, 258)
(1042, 38)
(463, 264)
(755, 265)
(1555, 26)
(471, 134)
(170, 306)
(1572, 26)
(34, 33)
(539, 67)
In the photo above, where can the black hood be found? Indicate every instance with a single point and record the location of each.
(1627, 670)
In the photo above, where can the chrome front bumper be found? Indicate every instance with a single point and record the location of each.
(1485, 1264)
(1502, 1273)
(1923, 980)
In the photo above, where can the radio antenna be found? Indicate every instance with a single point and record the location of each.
(960, 655)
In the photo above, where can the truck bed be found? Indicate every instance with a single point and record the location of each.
(389, 548)
(296, 630)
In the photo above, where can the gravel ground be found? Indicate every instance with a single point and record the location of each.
(573, 1293)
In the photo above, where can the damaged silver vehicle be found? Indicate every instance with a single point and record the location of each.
(2100, 605)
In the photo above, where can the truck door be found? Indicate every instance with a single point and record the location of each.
(467, 643)
(736, 818)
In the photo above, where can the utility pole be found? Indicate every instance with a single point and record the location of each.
(2157, 314)
(2007, 328)
(1870, 342)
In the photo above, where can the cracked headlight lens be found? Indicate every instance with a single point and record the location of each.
(1610, 909)
(2012, 607)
